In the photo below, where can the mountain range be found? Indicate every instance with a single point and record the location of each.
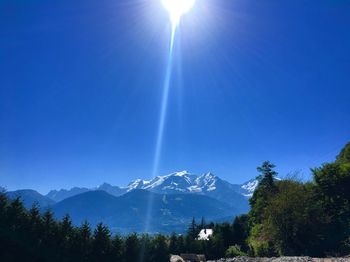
(178, 182)
(162, 204)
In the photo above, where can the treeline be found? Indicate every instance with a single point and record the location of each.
(287, 217)
(29, 235)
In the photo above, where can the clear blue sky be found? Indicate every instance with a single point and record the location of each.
(81, 84)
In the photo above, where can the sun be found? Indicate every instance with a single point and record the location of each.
(177, 8)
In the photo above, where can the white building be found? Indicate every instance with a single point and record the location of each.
(205, 234)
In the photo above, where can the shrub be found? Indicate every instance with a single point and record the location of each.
(234, 251)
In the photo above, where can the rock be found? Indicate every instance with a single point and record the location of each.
(174, 258)
(281, 259)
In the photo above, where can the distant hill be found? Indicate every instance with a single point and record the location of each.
(129, 212)
(113, 190)
(59, 195)
(30, 197)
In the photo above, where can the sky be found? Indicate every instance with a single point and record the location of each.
(82, 80)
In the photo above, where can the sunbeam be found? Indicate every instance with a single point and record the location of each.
(175, 8)
(161, 125)
(164, 105)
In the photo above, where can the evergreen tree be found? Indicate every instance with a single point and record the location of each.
(267, 174)
(118, 249)
(160, 251)
(101, 244)
(35, 228)
(83, 242)
(203, 224)
(145, 247)
(132, 248)
(173, 244)
(65, 237)
(193, 230)
(181, 244)
(263, 193)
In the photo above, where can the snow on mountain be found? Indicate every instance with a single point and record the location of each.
(137, 184)
(206, 182)
(186, 183)
(178, 182)
(249, 187)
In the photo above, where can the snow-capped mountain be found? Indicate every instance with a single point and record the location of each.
(184, 182)
(177, 183)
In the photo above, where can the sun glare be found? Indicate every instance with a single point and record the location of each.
(177, 8)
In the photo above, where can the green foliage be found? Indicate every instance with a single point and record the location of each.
(234, 251)
(332, 183)
(287, 218)
(293, 218)
(240, 231)
(344, 155)
(259, 242)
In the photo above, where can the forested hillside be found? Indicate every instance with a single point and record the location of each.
(287, 217)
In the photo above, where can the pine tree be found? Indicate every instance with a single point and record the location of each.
(83, 242)
(266, 179)
(173, 244)
(3, 205)
(145, 245)
(132, 248)
(160, 250)
(203, 224)
(101, 244)
(50, 240)
(66, 235)
(192, 230)
(263, 193)
(181, 244)
(118, 249)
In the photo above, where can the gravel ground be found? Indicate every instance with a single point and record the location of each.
(281, 259)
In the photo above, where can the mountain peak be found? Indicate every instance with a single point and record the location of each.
(105, 185)
(182, 173)
(249, 187)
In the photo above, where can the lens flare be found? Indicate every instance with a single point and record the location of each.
(177, 8)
